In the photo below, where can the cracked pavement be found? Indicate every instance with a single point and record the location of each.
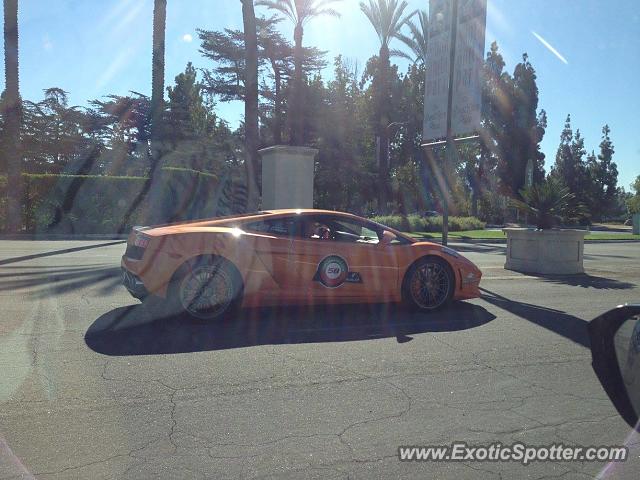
(95, 386)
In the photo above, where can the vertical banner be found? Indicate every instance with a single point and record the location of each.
(467, 80)
(438, 66)
(467, 89)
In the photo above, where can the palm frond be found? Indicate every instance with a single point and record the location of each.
(301, 11)
(330, 12)
(285, 7)
(387, 17)
(549, 203)
(419, 36)
(372, 12)
(394, 52)
(413, 46)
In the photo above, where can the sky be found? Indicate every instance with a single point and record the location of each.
(586, 54)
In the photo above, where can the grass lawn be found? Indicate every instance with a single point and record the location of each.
(497, 234)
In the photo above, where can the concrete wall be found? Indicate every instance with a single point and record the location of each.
(287, 177)
(545, 251)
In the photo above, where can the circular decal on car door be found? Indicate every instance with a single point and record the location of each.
(332, 271)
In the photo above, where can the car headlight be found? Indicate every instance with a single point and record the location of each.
(450, 251)
(470, 278)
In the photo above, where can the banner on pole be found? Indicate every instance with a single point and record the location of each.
(467, 80)
(438, 65)
(467, 90)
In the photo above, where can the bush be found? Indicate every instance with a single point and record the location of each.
(416, 223)
(99, 204)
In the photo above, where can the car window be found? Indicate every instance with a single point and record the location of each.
(339, 230)
(284, 227)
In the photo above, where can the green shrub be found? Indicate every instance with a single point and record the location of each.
(416, 223)
(87, 204)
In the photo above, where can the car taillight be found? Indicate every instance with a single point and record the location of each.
(141, 241)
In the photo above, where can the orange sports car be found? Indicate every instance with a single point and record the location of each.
(207, 268)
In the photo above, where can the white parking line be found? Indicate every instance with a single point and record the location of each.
(509, 277)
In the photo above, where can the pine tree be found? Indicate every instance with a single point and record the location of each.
(602, 174)
(515, 127)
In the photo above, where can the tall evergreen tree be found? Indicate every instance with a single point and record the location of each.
(494, 117)
(570, 167)
(633, 202)
(602, 173)
(226, 50)
(279, 55)
(195, 137)
(566, 169)
(517, 127)
(226, 80)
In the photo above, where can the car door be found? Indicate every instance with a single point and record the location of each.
(272, 246)
(350, 266)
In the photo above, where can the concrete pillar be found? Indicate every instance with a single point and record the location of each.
(287, 177)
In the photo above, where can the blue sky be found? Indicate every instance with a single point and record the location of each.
(589, 66)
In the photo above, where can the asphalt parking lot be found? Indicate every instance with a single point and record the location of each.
(93, 386)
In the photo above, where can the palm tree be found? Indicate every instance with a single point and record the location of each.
(157, 74)
(13, 117)
(387, 19)
(156, 111)
(418, 39)
(300, 12)
(549, 203)
(252, 135)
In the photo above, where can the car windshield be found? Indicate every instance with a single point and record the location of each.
(320, 239)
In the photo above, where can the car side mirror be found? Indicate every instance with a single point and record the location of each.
(387, 238)
(615, 351)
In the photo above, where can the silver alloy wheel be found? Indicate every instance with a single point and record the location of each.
(430, 285)
(206, 292)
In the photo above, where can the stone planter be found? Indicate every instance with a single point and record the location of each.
(545, 251)
(287, 177)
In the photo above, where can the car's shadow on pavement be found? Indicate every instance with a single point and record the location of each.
(139, 330)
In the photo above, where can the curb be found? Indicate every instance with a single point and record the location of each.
(504, 242)
(41, 237)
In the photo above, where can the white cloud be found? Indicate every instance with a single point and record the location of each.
(187, 37)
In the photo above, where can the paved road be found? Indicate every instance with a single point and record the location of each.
(92, 387)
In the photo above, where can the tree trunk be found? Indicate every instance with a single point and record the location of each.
(252, 133)
(383, 133)
(156, 115)
(13, 118)
(297, 127)
(277, 104)
(157, 73)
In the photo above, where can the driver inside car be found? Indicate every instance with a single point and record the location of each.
(318, 231)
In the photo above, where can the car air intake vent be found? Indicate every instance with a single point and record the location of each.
(134, 253)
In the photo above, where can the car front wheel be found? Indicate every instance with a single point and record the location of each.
(429, 284)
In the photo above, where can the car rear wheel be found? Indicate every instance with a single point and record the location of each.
(429, 284)
(207, 289)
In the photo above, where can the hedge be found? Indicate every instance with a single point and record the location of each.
(416, 223)
(99, 204)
